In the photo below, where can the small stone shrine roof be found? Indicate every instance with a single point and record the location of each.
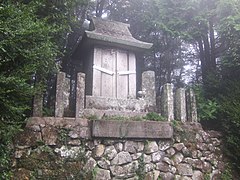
(111, 33)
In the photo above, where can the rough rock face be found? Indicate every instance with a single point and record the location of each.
(191, 154)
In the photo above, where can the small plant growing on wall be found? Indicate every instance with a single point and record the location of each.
(154, 117)
(63, 135)
(141, 168)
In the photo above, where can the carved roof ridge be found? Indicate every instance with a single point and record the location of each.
(114, 32)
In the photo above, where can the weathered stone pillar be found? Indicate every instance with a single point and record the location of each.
(180, 105)
(191, 106)
(59, 103)
(148, 87)
(167, 101)
(38, 105)
(80, 94)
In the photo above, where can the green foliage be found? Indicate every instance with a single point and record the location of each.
(230, 119)
(32, 36)
(207, 176)
(154, 117)
(63, 136)
(207, 109)
(141, 168)
(227, 173)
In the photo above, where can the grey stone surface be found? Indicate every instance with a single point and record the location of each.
(167, 176)
(117, 171)
(186, 152)
(149, 167)
(151, 147)
(84, 132)
(189, 160)
(207, 167)
(180, 105)
(122, 158)
(147, 158)
(168, 161)
(104, 163)
(124, 171)
(102, 174)
(133, 146)
(112, 104)
(50, 135)
(136, 156)
(197, 175)
(157, 156)
(179, 146)
(191, 106)
(115, 34)
(99, 151)
(131, 129)
(197, 164)
(148, 86)
(90, 165)
(110, 152)
(167, 102)
(80, 95)
(153, 175)
(100, 113)
(73, 134)
(171, 151)
(163, 145)
(177, 158)
(38, 105)
(61, 92)
(119, 147)
(163, 167)
(185, 169)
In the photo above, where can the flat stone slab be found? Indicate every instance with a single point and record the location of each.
(132, 129)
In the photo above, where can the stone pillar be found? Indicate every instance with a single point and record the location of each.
(38, 105)
(180, 105)
(191, 106)
(167, 101)
(59, 103)
(80, 94)
(148, 88)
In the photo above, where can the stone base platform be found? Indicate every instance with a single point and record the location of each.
(100, 114)
(134, 105)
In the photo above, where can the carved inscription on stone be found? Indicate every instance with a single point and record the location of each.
(131, 129)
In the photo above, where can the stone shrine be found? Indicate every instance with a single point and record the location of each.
(107, 56)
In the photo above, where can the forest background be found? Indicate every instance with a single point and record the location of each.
(195, 43)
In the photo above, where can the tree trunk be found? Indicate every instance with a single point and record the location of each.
(212, 44)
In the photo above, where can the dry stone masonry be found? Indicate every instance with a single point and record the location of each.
(63, 148)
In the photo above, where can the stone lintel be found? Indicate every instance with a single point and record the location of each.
(131, 129)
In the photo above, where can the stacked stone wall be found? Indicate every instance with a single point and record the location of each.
(60, 148)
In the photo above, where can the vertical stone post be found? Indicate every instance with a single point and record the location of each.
(38, 105)
(180, 105)
(148, 87)
(59, 103)
(167, 101)
(80, 94)
(191, 106)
